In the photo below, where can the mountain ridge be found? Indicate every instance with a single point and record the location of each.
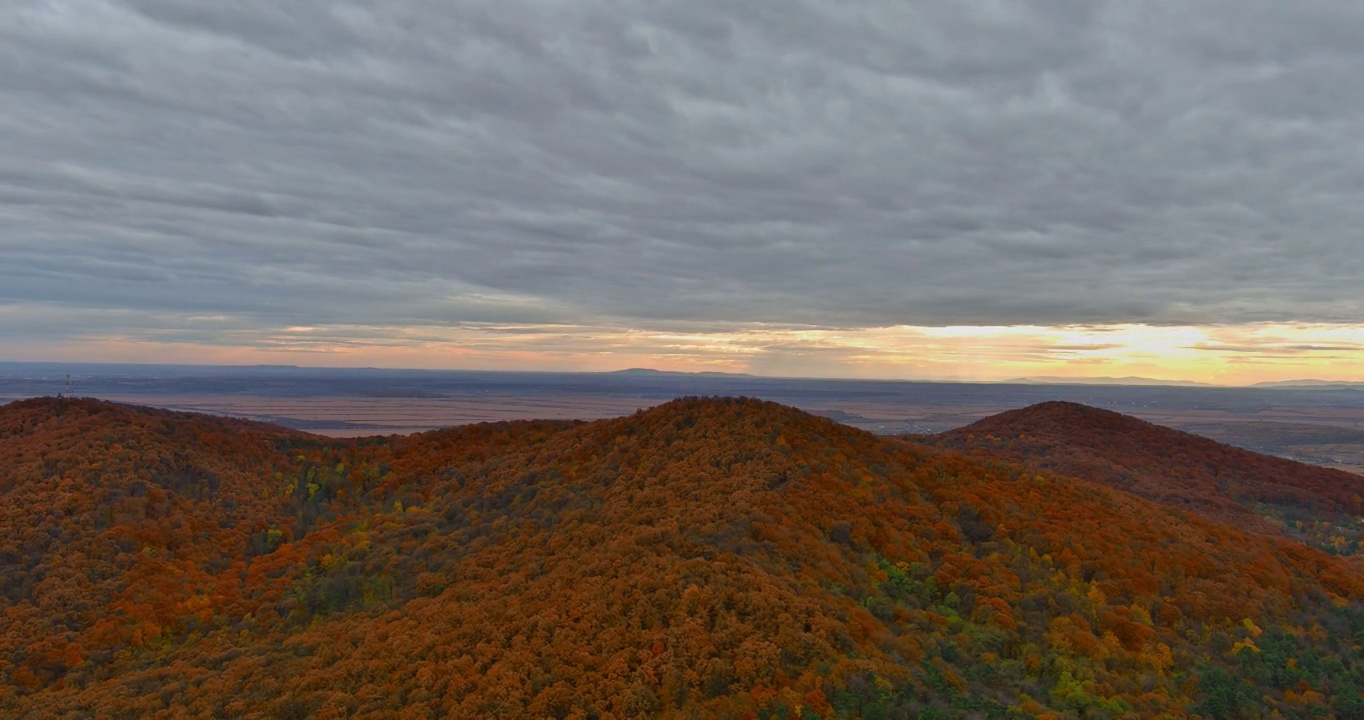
(1130, 380)
(717, 557)
(650, 372)
(1310, 384)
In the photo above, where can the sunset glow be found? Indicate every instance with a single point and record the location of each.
(1221, 355)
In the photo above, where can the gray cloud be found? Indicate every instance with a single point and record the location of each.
(836, 164)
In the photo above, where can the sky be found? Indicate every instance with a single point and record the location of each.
(937, 189)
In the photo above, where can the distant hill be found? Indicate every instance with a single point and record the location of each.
(648, 372)
(1216, 480)
(1311, 384)
(1130, 380)
(705, 558)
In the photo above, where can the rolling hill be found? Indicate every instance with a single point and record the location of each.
(1254, 491)
(705, 558)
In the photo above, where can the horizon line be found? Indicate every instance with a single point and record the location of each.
(1024, 380)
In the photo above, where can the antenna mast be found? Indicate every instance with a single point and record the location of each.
(61, 398)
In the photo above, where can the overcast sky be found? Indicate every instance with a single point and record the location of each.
(529, 182)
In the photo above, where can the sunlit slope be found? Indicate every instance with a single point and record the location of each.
(723, 558)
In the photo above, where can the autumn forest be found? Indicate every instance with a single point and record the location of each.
(710, 557)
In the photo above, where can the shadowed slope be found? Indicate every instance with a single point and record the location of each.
(1163, 464)
(124, 526)
(114, 519)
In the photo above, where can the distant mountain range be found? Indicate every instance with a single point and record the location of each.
(1311, 384)
(1051, 380)
(649, 372)
(1144, 381)
(82, 372)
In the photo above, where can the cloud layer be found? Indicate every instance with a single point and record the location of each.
(677, 166)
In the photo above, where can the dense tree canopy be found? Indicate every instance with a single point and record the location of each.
(709, 557)
(1317, 505)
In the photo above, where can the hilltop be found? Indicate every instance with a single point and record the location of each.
(707, 557)
(112, 515)
(1170, 466)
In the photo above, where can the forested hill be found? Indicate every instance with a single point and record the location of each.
(706, 558)
(1312, 503)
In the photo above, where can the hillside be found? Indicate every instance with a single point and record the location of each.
(727, 558)
(1315, 504)
(116, 518)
